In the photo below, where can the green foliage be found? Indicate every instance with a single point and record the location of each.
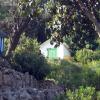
(68, 74)
(69, 21)
(81, 94)
(32, 8)
(98, 42)
(85, 55)
(28, 45)
(60, 97)
(94, 65)
(73, 75)
(27, 58)
(98, 95)
(95, 56)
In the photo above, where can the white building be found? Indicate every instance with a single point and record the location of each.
(49, 51)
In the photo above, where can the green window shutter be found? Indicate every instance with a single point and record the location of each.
(52, 53)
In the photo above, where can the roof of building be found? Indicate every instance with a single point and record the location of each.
(48, 41)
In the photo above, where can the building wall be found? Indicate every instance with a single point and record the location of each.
(61, 50)
(44, 48)
(66, 51)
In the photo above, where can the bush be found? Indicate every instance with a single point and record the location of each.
(65, 73)
(82, 93)
(28, 59)
(85, 55)
(72, 75)
(94, 65)
(95, 55)
(98, 42)
(98, 95)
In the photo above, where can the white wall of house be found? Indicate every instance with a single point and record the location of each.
(61, 50)
(66, 50)
(45, 46)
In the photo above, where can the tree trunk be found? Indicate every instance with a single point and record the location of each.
(16, 36)
(13, 43)
(93, 19)
(97, 28)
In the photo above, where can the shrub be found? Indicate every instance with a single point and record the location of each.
(95, 55)
(98, 42)
(28, 59)
(94, 65)
(65, 73)
(72, 75)
(98, 95)
(82, 93)
(34, 64)
(83, 55)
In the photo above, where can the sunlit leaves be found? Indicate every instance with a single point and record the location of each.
(29, 7)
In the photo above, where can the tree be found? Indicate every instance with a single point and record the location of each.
(27, 58)
(89, 8)
(22, 14)
(71, 23)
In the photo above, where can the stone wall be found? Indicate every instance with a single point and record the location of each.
(13, 79)
(18, 86)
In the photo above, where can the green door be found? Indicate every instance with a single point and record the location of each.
(52, 53)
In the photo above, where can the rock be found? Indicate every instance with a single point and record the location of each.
(24, 95)
(4, 63)
(41, 95)
(19, 86)
(0, 78)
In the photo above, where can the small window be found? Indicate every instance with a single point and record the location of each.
(52, 53)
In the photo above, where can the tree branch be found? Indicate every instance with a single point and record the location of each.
(90, 15)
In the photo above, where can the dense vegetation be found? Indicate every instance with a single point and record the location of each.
(28, 58)
(28, 23)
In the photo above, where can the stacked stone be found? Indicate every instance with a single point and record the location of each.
(19, 86)
(13, 79)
